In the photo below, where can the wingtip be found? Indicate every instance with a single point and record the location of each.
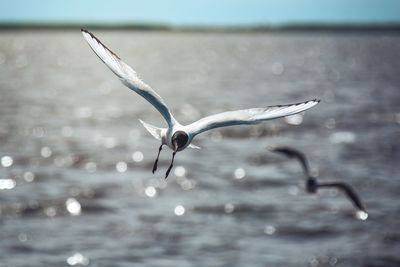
(271, 148)
(315, 100)
(277, 148)
(362, 215)
(86, 34)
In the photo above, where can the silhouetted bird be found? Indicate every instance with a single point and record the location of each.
(312, 184)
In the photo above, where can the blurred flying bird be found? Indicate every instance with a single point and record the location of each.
(312, 184)
(177, 136)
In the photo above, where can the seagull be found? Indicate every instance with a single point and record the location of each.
(312, 184)
(177, 136)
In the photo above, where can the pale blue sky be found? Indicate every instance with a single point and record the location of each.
(201, 12)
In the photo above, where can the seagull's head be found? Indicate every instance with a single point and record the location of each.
(311, 185)
(179, 140)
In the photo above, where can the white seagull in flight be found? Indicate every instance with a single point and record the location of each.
(177, 136)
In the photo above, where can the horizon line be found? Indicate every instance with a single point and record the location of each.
(394, 25)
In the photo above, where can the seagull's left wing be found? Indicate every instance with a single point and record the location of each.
(349, 192)
(248, 116)
(128, 76)
(293, 153)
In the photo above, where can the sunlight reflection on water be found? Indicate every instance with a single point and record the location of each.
(76, 164)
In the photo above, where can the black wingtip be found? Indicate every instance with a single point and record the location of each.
(83, 30)
(315, 100)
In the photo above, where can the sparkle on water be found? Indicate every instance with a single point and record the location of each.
(45, 152)
(38, 132)
(314, 261)
(229, 208)
(6, 161)
(77, 259)
(342, 137)
(29, 176)
(330, 123)
(67, 131)
(22, 237)
(91, 166)
(50, 211)
(73, 206)
(109, 142)
(179, 210)
(361, 215)
(187, 184)
(83, 112)
(180, 171)
(295, 119)
(269, 230)
(150, 191)
(137, 156)
(121, 166)
(7, 184)
(239, 173)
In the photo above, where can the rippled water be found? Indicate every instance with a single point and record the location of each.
(76, 186)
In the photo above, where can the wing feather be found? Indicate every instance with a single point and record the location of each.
(350, 192)
(127, 75)
(248, 116)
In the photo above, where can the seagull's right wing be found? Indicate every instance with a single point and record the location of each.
(349, 192)
(128, 76)
(248, 116)
(293, 153)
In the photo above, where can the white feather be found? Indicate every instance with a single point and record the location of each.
(247, 116)
(153, 130)
(128, 76)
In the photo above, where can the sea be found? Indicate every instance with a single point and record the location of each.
(76, 181)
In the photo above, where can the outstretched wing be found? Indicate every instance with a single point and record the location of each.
(248, 116)
(293, 153)
(351, 194)
(127, 75)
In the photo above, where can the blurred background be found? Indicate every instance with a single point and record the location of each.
(76, 187)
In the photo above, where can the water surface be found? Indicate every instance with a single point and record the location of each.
(76, 181)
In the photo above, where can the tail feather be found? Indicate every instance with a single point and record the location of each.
(194, 146)
(153, 130)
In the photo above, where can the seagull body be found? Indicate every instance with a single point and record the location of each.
(177, 136)
(312, 184)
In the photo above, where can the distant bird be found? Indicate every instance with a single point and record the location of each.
(312, 184)
(177, 137)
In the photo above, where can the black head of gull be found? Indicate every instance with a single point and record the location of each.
(179, 141)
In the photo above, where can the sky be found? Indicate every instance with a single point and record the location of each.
(201, 12)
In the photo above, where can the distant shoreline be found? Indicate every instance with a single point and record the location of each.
(197, 28)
